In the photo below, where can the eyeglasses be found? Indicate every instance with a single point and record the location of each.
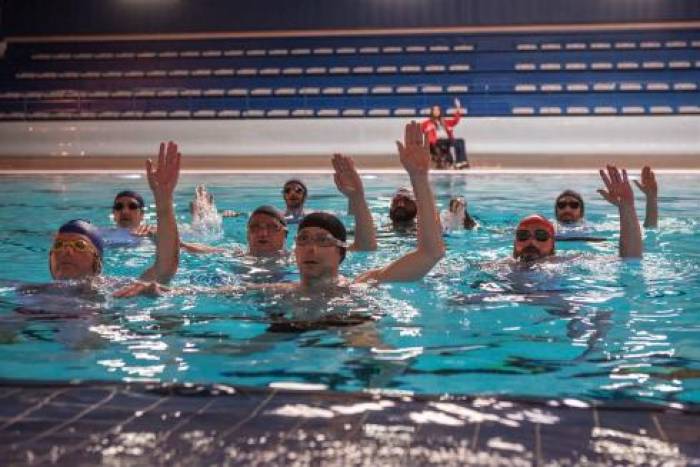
(77, 245)
(525, 235)
(321, 240)
(132, 206)
(295, 189)
(571, 204)
(269, 227)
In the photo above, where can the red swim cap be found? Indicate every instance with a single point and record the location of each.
(536, 219)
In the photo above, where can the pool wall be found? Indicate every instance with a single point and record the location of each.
(488, 138)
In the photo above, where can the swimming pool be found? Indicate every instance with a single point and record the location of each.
(591, 328)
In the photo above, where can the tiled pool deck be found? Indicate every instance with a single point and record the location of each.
(134, 425)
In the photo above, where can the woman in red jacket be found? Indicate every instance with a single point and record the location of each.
(440, 132)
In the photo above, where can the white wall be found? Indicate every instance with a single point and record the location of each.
(658, 135)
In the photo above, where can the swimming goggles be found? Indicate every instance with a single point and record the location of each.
(571, 204)
(77, 245)
(132, 206)
(525, 235)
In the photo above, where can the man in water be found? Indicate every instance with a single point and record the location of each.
(321, 247)
(403, 210)
(77, 249)
(267, 226)
(128, 211)
(457, 217)
(294, 193)
(569, 209)
(534, 237)
(76, 260)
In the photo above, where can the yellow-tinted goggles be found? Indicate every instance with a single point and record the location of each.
(77, 245)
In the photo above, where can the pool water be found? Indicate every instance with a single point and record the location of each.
(593, 327)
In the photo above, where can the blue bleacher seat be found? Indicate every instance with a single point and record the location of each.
(577, 73)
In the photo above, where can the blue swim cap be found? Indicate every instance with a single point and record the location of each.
(131, 194)
(83, 227)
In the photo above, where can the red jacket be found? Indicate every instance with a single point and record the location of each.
(430, 128)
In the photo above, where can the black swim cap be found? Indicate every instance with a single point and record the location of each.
(573, 194)
(298, 182)
(131, 194)
(83, 227)
(269, 211)
(329, 223)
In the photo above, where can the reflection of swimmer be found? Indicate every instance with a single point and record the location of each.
(457, 217)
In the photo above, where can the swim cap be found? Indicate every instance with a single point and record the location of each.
(405, 193)
(130, 194)
(298, 182)
(573, 194)
(536, 219)
(269, 211)
(83, 227)
(329, 223)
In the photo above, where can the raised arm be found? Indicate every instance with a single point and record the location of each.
(415, 157)
(349, 183)
(162, 179)
(650, 189)
(457, 115)
(619, 193)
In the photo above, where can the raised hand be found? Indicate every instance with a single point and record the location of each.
(163, 178)
(144, 230)
(618, 189)
(346, 177)
(415, 150)
(152, 289)
(648, 184)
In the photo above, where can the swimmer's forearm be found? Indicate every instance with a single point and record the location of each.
(430, 241)
(416, 264)
(651, 219)
(167, 240)
(199, 248)
(630, 232)
(365, 235)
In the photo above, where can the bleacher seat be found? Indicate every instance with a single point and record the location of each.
(578, 73)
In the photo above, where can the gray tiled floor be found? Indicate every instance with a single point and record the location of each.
(143, 425)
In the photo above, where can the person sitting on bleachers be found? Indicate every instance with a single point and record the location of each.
(440, 133)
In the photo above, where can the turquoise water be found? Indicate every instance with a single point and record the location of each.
(593, 327)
